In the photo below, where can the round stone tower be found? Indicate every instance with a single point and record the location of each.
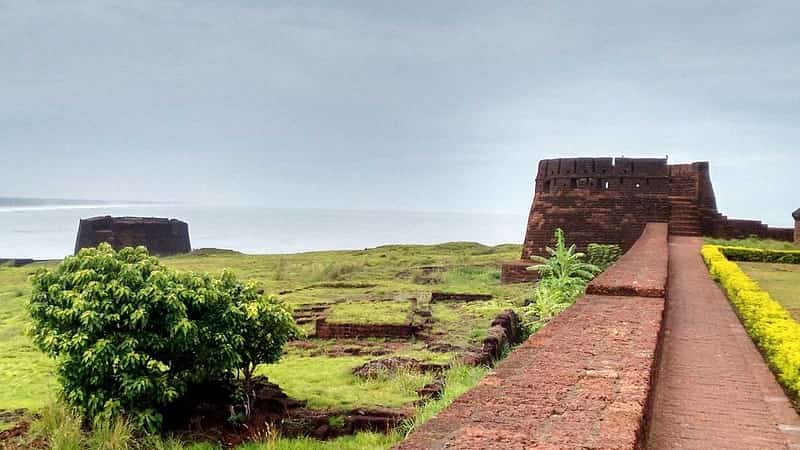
(162, 237)
(796, 216)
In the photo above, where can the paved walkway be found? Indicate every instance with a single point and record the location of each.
(713, 390)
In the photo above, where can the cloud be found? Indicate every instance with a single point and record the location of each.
(421, 105)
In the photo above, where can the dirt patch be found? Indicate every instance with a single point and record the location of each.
(207, 413)
(15, 438)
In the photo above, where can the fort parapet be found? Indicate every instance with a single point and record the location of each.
(609, 201)
(161, 236)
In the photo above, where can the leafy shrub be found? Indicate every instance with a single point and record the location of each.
(603, 255)
(564, 262)
(562, 279)
(130, 335)
(767, 321)
(266, 327)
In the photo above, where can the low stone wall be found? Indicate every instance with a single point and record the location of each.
(582, 381)
(504, 332)
(724, 228)
(642, 271)
(438, 297)
(328, 330)
(517, 272)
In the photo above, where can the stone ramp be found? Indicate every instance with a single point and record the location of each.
(642, 271)
(583, 381)
(714, 390)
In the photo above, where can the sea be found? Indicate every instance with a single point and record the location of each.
(47, 230)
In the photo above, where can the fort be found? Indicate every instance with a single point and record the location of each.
(609, 201)
(162, 237)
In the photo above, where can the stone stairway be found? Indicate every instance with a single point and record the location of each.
(684, 217)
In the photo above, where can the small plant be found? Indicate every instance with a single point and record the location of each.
(564, 262)
(603, 255)
(337, 422)
(562, 279)
(110, 434)
(59, 426)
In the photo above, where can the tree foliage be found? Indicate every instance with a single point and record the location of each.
(130, 335)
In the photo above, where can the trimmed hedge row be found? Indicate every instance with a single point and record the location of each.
(760, 255)
(767, 322)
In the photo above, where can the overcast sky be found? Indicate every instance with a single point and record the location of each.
(428, 105)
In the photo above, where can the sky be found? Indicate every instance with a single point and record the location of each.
(444, 106)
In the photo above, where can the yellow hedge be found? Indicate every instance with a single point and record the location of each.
(766, 320)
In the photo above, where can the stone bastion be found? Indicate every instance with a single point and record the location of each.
(162, 237)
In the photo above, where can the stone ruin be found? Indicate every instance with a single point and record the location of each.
(609, 201)
(162, 237)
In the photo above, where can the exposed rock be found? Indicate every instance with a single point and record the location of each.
(431, 391)
(504, 331)
(443, 347)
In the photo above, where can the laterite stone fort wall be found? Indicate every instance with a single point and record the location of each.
(162, 237)
(609, 201)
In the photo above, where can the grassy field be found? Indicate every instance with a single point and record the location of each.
(369, 286)
(782, 281)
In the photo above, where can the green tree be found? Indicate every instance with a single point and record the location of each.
(130, 335)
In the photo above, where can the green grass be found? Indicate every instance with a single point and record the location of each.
(766, 244)
(458, 380)
(26, 375)
(358, 277)
(371, 312)
(329, 383)
(360, 441)
(60, 428)
(782, 281)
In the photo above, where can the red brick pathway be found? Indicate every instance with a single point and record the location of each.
(713, 390)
